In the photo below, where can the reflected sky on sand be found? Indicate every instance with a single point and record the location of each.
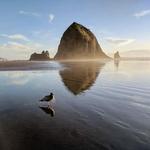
(100, 106)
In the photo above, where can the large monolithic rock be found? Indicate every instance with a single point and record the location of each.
(78, 42)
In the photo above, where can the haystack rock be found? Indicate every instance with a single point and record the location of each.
(44, 56)
(78, 42)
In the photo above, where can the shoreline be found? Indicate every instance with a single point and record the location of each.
(14, 65)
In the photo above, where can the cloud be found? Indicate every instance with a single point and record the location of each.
(142, 13)
(17, 78)
(119, 41)
(19, 47)
(17, 50)
(43, 34)
(14, 46)
(51, 17)
(35, 14)
(137, 53)
(15, 37)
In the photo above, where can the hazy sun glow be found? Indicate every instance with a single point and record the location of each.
(118, 25)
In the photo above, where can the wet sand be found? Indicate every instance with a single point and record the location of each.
(97, 106)
(25, 65)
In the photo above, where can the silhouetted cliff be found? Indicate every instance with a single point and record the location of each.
(44, 56)
(78, 42)
(116, 55)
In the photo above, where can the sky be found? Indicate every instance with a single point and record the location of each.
(28, 26)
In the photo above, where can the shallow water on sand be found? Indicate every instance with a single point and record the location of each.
(96, 106)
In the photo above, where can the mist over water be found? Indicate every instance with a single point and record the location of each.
(97, 105)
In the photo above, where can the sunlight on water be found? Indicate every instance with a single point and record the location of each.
(97, 106)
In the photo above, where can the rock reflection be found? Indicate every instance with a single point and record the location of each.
(80, 76)
(48, 110)
(116, 63)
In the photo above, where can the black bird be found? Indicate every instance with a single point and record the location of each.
(47, 98)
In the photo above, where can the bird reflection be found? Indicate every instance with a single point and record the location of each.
(48, 110)
(80, 76)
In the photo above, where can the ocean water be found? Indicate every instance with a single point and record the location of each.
(97, 106)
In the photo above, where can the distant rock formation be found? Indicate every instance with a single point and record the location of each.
(116, 55)
(44, 56)
(3, 59)
(78, 42)
(80, 76)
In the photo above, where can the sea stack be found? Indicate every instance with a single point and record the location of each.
(78, 42)
(116, 55)
(44, 56)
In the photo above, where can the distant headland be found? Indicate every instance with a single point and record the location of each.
(44, 56)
